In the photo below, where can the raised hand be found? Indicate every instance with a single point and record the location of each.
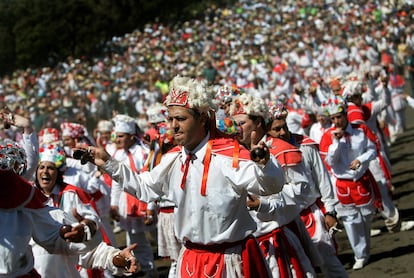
(95, 155)
(258, 153)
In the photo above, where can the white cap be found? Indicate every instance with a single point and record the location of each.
(125, 124)
(105, 126)
(156, 113)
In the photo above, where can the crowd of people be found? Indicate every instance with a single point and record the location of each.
(245, 140)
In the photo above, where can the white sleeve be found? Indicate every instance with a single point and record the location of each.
(47, 222)
(101, 258)
(31, 147)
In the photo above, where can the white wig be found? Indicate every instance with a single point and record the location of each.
(190, 93)
(250, 105)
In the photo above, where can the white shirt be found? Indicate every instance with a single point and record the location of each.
(320, 176)
(342, 152)
(18, 226)
(221, 215)
(54, 265)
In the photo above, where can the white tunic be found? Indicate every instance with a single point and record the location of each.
(18, 226)
(221, 215)
(53, 265)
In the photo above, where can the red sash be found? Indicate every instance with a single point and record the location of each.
(208, 260)
(166, 209)
(284, 252)
(285, 153)
(309, 219)
(86, 199)
(224, 146)
(135, 207)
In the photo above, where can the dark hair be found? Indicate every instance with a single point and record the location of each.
(59, 178)
(261, 119)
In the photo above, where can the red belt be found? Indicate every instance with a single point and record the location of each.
(166, 209)
(216, 248)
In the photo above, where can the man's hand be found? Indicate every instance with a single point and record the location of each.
(15, 120)
(98, 156)
(338, 133)
(84, 231)
(330, 221)
(252, 202)
(149, 217)
(355, 164)
(258, 153)
(126, 259)
(114, 213)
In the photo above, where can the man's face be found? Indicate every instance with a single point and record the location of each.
(188, 128)
(279, 129)
(322, 119)
(339, 120)
(336, 89)
(105, 136)
(124, 140)
(69, 141)
(247, 125)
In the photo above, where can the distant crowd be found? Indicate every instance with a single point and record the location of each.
(265, 47)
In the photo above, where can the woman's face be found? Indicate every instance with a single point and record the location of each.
(46, 175)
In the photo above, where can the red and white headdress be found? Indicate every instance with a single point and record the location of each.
(190, 93)
(277, 111)
(54, 154)
(49, 136)
(334, 105)
(250, 105)
(73, 130)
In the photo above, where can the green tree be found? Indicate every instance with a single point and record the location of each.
(41, 32)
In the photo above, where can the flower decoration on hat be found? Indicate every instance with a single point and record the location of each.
(250, 105)
(73, 130)
(277, 111)
(166, 133)
(54, 154)
(334, 105)
(352, 87)
(225, 94)
(49, 136)
(228, 126)
(12, 157)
